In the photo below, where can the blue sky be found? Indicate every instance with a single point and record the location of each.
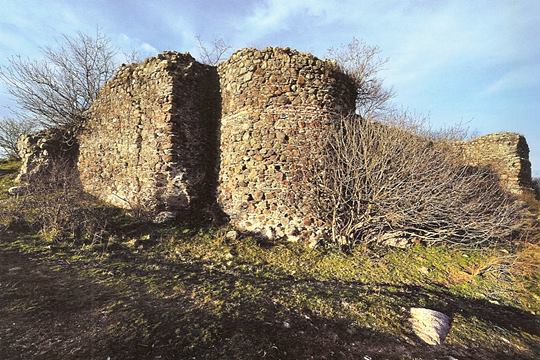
(457, 61)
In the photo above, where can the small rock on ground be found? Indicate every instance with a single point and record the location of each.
(164, 217)
(16, 190)
(231, 235)
(396, 239)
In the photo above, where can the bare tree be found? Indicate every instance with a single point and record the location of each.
(362, 63)
(389, 181)
(10, 131)
(132, 56)
(214, 52)
(59, 88)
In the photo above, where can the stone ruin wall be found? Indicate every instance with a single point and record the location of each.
(145, 145)
(152, 140)
(44, 153)
(505, 153)
(276, 104)
(162, 132)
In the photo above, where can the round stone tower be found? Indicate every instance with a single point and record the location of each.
(276, 104)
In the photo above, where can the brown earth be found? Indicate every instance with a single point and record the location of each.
(57, 306)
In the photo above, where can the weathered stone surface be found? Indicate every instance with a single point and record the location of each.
(429, 325)
(276, 105)
(41, 151)
(505, 153)
(149, 142)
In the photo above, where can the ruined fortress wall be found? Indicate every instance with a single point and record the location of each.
(145, 141)
(164, 134)
(505, 153)
(276, 104)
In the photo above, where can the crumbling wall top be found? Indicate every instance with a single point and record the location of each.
(276, 77)
(506, 153)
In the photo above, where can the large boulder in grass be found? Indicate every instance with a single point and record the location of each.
(43, 151)
(429, 325)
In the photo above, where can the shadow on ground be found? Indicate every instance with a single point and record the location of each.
(136, 307)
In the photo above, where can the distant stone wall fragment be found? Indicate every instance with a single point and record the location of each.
(44, 151)
(507, 154)
(149, 142)
(276, 105)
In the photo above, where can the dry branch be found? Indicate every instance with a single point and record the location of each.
(363, 63)
(376, 179)
(10, 131)
(59, 88)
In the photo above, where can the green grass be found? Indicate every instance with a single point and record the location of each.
(8, 172)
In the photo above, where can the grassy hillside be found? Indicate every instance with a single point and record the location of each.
(178, 292)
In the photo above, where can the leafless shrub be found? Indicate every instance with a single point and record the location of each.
(519, 267)
(214, 52)
(59, 88)
(419, 124)
(526, 261)
(391, 179)
(10, 131)
(363, 63)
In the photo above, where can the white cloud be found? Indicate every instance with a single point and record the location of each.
(132, 46)
(456, 34)
(149, 49)
(516, 79)
(178, 24)
(277, 15)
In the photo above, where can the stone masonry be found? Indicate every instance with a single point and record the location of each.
(44, 152)
(505, 153)
(276, 103)
(148, 142)
(172, 134)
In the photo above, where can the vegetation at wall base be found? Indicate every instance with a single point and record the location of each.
(378, 181)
